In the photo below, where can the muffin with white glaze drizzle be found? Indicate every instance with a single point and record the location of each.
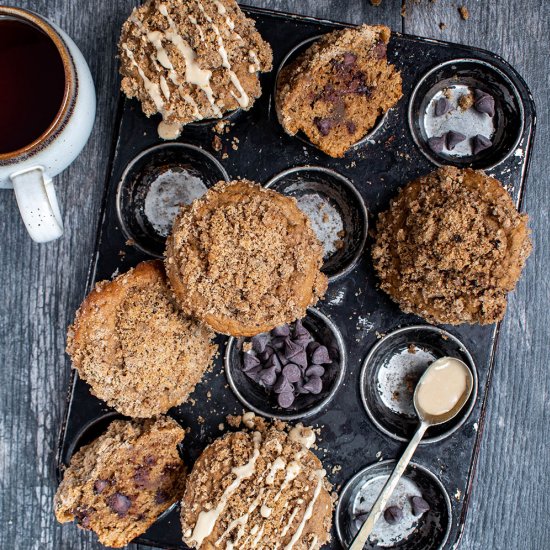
(191, 60)
(258, 489)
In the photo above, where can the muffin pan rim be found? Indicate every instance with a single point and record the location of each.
(467, 409)
(512, 87)
(363, 210)
(128, 170)
(387, 462)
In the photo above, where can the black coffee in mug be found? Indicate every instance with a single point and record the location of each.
(32, 84)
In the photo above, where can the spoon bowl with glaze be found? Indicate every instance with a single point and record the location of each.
(439, 396)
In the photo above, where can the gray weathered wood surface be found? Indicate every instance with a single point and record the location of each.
(42, 285)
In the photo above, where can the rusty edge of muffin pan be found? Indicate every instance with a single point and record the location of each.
(272, 411)
(300, 135)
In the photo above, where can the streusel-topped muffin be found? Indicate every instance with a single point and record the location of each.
(244, 259)
(191, 59)
(135, 347)
(451, 246)
(259, 489)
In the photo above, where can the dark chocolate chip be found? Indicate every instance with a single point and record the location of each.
(82, 516)
(480, 143)
(141, 476)
(285, 399)
(268, 377)
(437, 144)
(119, 503)
(279, 342)
(295, 353)
(259, 342)
(254, 374)
(314, 385)
(292, 373)
(299, 388)
(419, 506)
(161, 497)
(379, 50)
(393, 514)
(485, 105)
(301, 335)
(100, 485)
(349, 59)
(282, 358)
(320, 356)
(283, 330)
(266, 354)
(453, 139)
(150, 460)
(442, 106)
(282, 385)
(315, 370)
(350, 125)
(250, 361)
(273, 363)
(324, 125)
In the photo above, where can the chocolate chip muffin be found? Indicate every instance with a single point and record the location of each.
(191, 59)
(135, 347)
(244, 259)
(260, 489)
(451, 246)
(120, 483)
(335, 91)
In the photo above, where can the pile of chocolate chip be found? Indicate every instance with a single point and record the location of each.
(483, 103)
(394, 514)
(288, 361)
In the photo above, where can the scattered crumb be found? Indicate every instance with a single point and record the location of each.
(221, 426)
(411, 348)
(465, 101)
(442, 26)
(200, 419)
(458, 494)
(336, 469)
(225, 156)
(130, 242)
(247, 346)
(464, 13)
(217, 143)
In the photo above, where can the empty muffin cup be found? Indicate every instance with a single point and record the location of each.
(337, 212)
(289, 58)
(313, 386)
(392, 369)
(466, 112)
(154, 186)
(418, 514)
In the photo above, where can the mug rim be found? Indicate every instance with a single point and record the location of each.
(67, 103)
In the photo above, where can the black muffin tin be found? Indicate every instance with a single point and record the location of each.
(349, 440)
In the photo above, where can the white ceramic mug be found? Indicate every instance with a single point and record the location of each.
(30, 169)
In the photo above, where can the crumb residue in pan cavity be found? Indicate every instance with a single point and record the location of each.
(397, 379)
(171, 189)
(326, 220)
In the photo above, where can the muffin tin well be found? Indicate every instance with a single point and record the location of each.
(254, 146)
(255, 398)
(336, 209)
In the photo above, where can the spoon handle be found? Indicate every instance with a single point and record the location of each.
(378, 507)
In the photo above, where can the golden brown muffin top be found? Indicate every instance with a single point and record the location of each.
(134, 346)
(244, 259)
(451, 246)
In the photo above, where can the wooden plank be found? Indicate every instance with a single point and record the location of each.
(509, 507)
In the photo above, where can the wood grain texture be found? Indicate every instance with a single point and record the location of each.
(42, 286)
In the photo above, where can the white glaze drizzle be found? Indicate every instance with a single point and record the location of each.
(255, 65)
(151, 87)
(207, 519)
(320, 474)
(265, 511)
(164, 87)
(258, 537)
(193, 20)
(193, 73)
(313, 542)
(292, 471)
(289, 523)
(305, 436)
(278, 464)
(242, 99)
(221, 7)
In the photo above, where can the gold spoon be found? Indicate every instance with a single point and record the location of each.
(439, 396)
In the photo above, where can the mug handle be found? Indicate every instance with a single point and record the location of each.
(38, 204)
